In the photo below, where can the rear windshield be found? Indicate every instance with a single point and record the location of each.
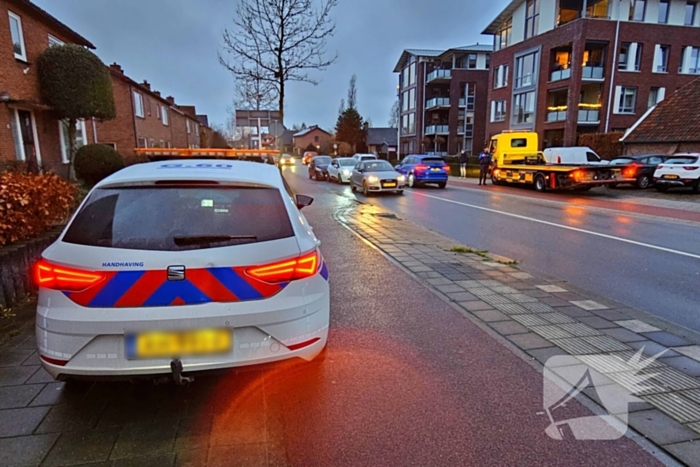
(322, 160)
(432, 160)
(622, 160)
(367, 158)
(682, 160)
(180, 218)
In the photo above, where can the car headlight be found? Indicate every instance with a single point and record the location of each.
(346, 172)
(402, 178)
(373, 179)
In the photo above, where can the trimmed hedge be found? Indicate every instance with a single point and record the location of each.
(607, 145)
(31, 204)
(95, 162)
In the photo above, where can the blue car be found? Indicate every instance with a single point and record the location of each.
(421, 169)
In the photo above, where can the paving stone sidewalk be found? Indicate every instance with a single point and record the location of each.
(545, 318)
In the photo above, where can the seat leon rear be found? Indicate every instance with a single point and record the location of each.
(210, 265)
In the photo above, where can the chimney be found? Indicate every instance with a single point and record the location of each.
(146, 84)
(117, 67)
(170, 99)
(157, 93)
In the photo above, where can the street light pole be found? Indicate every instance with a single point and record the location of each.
(398, 123)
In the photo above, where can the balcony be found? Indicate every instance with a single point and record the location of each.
(437, 130)
(441, 75)
(593, 73)
(558, 75)
(467, 102)
(436, 102)
(589, 114)
(556, 114)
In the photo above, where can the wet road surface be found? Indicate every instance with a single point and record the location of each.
(649, 263)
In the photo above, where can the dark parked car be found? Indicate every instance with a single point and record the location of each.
(639, 167)
(318, 167)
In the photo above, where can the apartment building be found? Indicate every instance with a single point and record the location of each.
(567, 67)
(28, 130)
(443, 99)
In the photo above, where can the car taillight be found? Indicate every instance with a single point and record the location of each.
(52, 276)
(690, 167)
(446, 167)
(421, 167)
(286, 271)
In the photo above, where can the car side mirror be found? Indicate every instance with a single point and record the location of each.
(303, 201)
(397, 166)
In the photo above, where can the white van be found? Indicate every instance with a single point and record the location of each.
(573, 156)
(364, 157)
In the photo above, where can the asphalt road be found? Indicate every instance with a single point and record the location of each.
(648, 263)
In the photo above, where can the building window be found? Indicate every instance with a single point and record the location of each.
(524, 108)
(661, 59)
(656, 95)
(630, 58)
(525, 70)
(627, 100)
(663, 11)
(164, 115)
(411, 99)
(471, 62)
(597, 9)
(53, 41)
(500, 77)
(532, 19)
(138, 105)
(690, 13)
(690, 61)
(502, 37)
(406, 80)
(143, 142)
(412, 74)
(196, 129)
(189, 128)
(17, 36)
(637, 10)
(404, 101)
(498, 111)
(488, 61)
(80, 138)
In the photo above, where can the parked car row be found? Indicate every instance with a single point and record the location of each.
(366, 173)
(661, 170)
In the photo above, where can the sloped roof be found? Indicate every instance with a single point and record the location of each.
(309, 130)
(377, 136)
(475, 48)
(53, 21)
(673, 120)
(502, 17)
(406, 54)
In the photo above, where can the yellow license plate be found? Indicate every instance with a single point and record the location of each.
(178, 344)
(435, 170)
(389, 185)
(671, 176)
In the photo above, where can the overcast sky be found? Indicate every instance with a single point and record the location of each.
(173, 44)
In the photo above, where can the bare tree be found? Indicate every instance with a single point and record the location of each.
(254, 94)
(276, 41)
(394, 115)
(352, 93)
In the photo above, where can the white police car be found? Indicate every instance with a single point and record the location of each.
(182, 266)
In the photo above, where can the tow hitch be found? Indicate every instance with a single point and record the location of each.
(176, 367)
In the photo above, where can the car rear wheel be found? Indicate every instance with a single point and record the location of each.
(661, 188)
(643, 182)
(612, 185)
(696, 186)
(540, 183)
(442, 185)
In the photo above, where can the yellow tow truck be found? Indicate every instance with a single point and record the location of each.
(516, 160)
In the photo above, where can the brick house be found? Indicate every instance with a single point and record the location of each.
(312, 135)
(145, 119)
(670, 127)
(443, 99)
(27, 126)
(382, 141)
(567, 67)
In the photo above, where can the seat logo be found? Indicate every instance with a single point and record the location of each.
(176, 273)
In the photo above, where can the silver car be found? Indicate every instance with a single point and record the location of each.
(375, 176)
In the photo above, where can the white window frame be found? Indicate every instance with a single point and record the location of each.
(495, 115)
(54, 41)
(23, 53)
(64, 145)
(145, 142)
(661, 65)
(668, 10)
(620, 94)
(164, 115)
(695, 12)
(21, 156)
(189, 127)
(138, 105)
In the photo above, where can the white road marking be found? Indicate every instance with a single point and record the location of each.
(561, 226)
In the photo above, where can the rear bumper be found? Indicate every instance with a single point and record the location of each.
(679, 182)
(431, 178)
(92, 341)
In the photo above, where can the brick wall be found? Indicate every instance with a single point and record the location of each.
(20, 80)
(300, 143)
(179, 129)
(151, 126)
(479, 79)
(120, 131)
